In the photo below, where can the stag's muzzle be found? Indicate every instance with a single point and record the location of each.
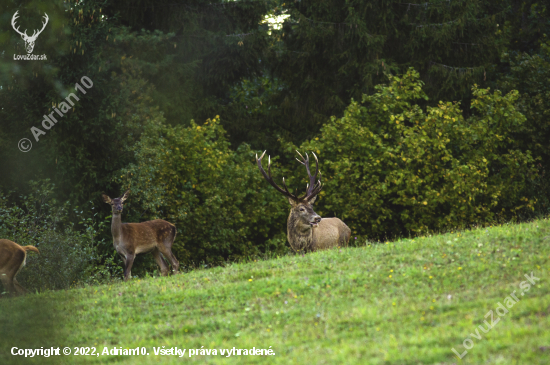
(315, 222)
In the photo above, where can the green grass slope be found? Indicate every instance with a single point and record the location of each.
(404, 302)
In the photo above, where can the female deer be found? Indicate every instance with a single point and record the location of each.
(130, 239)
(12, 259)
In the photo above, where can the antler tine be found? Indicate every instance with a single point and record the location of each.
(316, 163)
(269, 177)
(45, 23)
(303, 159)
(316, 159)
(36, 31)
(312, 185)
(317, 173)
(312, 188)
(262, 156)
(286, 192)
(305, 162)
(286, 189)
(317, 188)
(15, 16)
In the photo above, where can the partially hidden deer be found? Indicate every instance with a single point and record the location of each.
(130, 239)
(306, 230)
(12, 259)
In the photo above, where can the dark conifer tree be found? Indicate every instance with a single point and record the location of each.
(331, 51)
(178, 56)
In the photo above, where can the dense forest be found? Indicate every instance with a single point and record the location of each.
(426, 117)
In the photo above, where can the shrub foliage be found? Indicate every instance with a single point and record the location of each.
(391, 167)
(215, 196)
(68, 254)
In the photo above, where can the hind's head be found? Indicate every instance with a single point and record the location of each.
(116, 203)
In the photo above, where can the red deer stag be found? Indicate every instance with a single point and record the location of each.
(12, 259)
(307, 231)
(130, 239)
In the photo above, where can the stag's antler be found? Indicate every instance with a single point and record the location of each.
(24, 35)
(43, 26)
(15, 16)
(270, 178)
(312, 188)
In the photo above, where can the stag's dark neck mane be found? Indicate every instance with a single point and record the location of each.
(298, 237)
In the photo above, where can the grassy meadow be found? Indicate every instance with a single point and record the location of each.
(405, 302)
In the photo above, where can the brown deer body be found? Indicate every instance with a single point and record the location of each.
(306, 230)
(156, 236)
(12, 259)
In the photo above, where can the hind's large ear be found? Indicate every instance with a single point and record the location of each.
(312, 200)
(106, 199)
(125, 196)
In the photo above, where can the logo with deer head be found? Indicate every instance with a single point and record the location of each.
(29, 40)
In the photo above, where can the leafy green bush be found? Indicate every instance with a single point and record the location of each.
(530, 75)
(390, 167)
(67, 256)
(66, 259)
(216, 197)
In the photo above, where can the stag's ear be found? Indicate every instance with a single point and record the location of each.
(312, 199)
(292, 202)
(106, 199)
(125, 196)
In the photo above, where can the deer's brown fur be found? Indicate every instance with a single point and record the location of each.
(329, 233)
(156, 236)
(306, 230)
(12, 259)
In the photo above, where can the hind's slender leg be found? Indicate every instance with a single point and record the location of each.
(8, 285)
(167, 252)
(161, 262)
(7, 282)
(128, 262)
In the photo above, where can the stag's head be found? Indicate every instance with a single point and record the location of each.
(29, 40)
(302, 206)
(116, 203)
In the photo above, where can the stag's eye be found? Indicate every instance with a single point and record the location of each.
(302, 209)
